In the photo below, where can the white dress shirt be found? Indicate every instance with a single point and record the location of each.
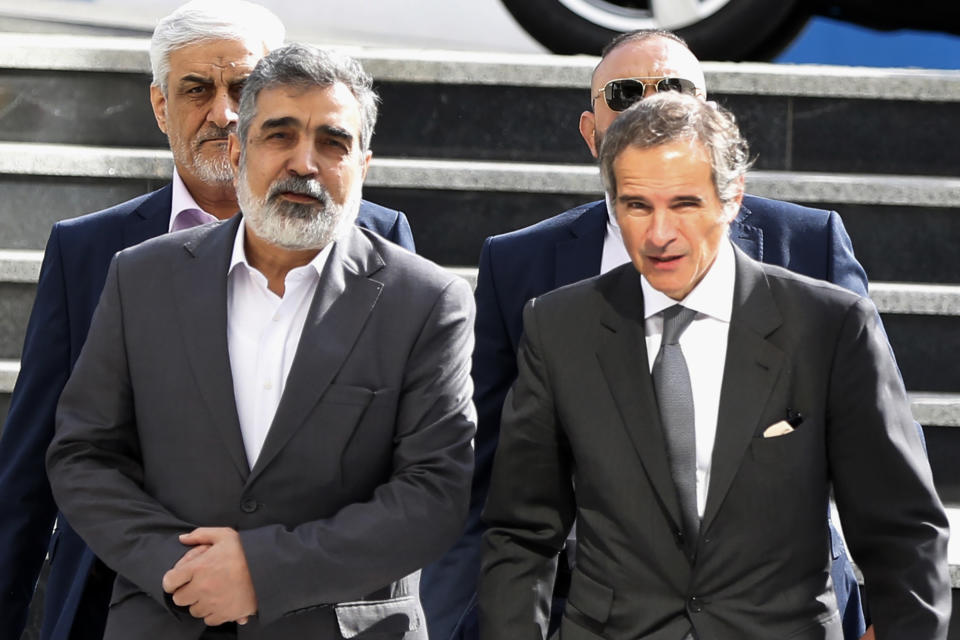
(614, 253)
(263, 332)
(704, 346)
(184, 207)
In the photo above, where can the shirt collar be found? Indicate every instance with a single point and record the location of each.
(182, 200)
(611, 213)
(239, 256)
(713, 295)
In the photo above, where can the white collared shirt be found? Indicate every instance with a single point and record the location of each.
(704, 346)
(263, 332)
(182, 202)
(614, 251)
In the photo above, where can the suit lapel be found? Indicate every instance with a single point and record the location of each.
(623, 358)
(748, 238)
(344, 299)
(202, 311)
(150, 219)
(579, 257)
(751, 370)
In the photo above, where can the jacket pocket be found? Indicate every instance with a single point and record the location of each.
(347, 394)
(827, 626)
(589, 597)
(394, 616)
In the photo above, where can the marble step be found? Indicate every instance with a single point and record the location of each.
(921, 320)
(23, 267)
(904, 228)
(517, 107)
(81, 161)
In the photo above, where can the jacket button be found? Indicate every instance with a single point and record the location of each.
(696, 606)
(249, 505)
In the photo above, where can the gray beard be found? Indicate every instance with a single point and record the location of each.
(295, 226)
(215, 171)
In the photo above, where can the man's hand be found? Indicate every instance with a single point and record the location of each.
(869, 634)
(213, 578)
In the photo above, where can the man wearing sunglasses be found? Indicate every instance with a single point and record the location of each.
(583, 242)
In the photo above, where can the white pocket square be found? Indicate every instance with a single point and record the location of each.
(781, 428)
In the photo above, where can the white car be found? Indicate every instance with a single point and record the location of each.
(715, 29)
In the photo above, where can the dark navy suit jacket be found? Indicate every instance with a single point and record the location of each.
(71, 279)
(518, 266)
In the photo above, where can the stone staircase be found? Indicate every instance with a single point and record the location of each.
(470, 145)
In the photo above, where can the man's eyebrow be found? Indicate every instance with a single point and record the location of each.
(194, 78)
(687, 198)
(276, 123)
(336, 132)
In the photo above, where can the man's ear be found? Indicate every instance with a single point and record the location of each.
(159, 103)
(733, 206)
(233, 152)
(365, 164)
(588, 129)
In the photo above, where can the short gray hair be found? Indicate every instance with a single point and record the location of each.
(668, 117)
(306, 67)
(206, 20)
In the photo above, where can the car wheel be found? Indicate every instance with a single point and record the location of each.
(714, 29)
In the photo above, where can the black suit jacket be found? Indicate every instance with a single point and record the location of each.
(71, 279)
(581, 437)
(518, 266)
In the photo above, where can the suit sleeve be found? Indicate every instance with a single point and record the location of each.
(892, 517)
(26, 503)
(531, 506)
(448, 587)
(94, 461)
(413, 516)
(843, 268)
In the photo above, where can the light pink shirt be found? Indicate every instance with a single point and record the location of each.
(185, 208)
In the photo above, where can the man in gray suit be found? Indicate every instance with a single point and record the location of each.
(691, 409)
(270, 421)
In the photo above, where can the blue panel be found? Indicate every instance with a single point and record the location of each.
(826, 41)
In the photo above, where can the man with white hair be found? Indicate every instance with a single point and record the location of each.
(201, 55)
(289, 463)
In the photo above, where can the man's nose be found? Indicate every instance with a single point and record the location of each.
(223, 111)
(662, 228)
(303, 160)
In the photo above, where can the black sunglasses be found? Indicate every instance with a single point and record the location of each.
(619, 94)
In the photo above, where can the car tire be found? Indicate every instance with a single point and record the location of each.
(736, 30)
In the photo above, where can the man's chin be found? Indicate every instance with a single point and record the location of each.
(213, 170)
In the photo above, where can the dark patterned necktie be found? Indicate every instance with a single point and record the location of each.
(675, 398)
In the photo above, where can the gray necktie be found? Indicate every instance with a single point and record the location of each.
(675, 398)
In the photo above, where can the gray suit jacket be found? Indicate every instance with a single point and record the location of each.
(581, 437)
(363, 478)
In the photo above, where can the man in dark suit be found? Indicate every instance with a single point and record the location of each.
(195, 104)
(291, 460)
(692, 410)
(582, 242)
